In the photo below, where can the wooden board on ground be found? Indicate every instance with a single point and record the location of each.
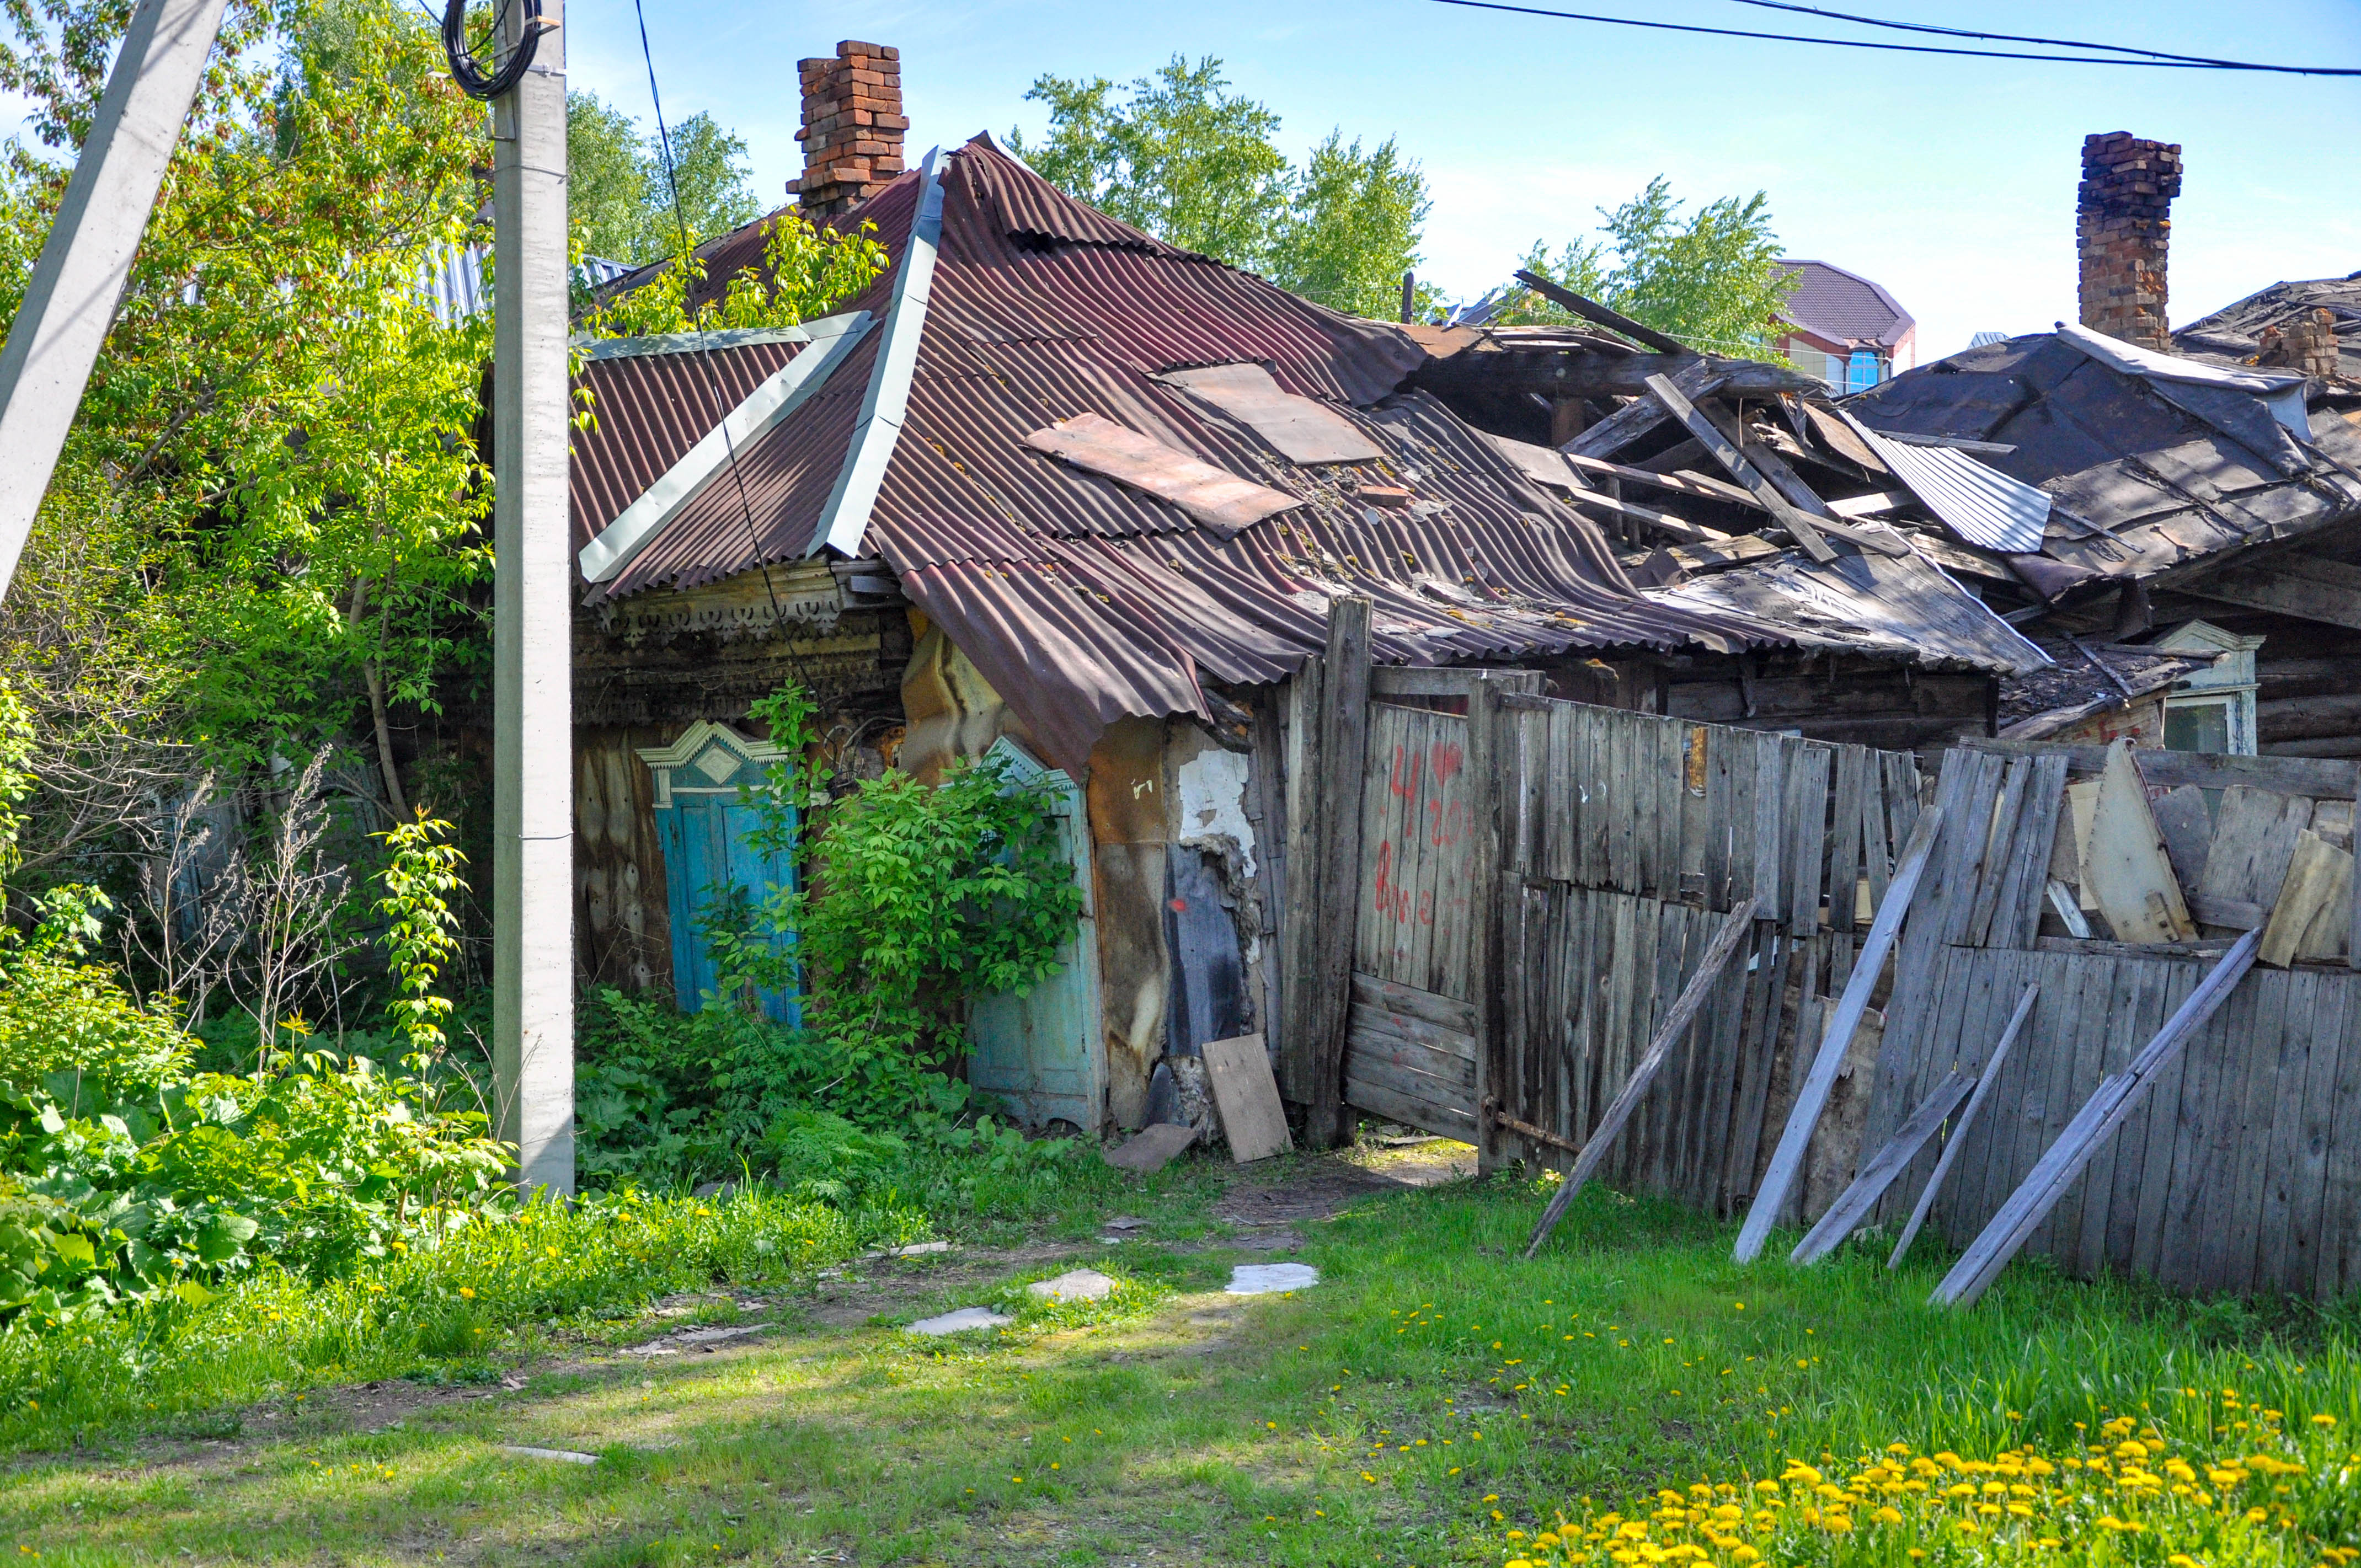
(1248, 1096)
(1151, 1148)
(2127, 867)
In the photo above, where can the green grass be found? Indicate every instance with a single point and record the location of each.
(1430, 1379)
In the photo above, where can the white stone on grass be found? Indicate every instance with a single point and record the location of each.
(1267, 1278)
(1074, 1284)
(966, 1318)
(564, 1455)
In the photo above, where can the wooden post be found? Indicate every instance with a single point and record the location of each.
(1344, 760)
(1298, 915)
(1484, 919)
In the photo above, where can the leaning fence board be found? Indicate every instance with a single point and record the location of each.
(1725, 942)
(2128, 869)
(1984, 1082)
(2282, 1167)
(2254, 838)
(1877, 1172)
(2031, 1202)
(1787, 1160)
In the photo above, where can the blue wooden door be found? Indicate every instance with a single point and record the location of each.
(707, 854)
(1043, 1053)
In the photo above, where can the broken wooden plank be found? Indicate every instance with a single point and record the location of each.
(1877, 1173)
(2126, 868)
(2099, 1117)
(2254, 839)
(1694, 485)
(2318, 888)
(1247, 1097)
(1725, 453)
(1675, 1021)
(1680, 527)
(1635, 419)
(1787, 1160)
(2227, 914)
(1152, 1148)
(1592, 311)
(1952, 1145)
(1873, 504)
(2187, 824)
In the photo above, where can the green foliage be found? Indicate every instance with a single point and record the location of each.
(266, 507)
(621, 203)
(1192, 163)
(419, 879)
(921, 899)
(805, 270)
(126, 1175)
(1712, 282)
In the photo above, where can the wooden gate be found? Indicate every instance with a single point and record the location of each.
(1620, 840)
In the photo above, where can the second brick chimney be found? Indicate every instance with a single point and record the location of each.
(2123, 219)
(852, 126)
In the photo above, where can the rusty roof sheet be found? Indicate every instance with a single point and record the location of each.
(1082, 599)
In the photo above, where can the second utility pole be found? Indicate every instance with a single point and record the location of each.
(533, 702)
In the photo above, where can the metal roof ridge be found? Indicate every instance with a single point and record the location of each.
(689, 342)
(844, 519)
(616, 545)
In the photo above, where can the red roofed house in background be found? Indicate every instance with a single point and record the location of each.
(1844, 329)
(1054, 489)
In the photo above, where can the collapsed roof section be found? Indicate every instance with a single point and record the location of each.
(1110, 468)
(2160, 468)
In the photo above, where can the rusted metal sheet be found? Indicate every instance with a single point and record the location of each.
(1304, 431)
(1220, 500)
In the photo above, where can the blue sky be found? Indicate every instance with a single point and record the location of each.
(1950, 182)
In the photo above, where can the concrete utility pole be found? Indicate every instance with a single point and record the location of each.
(532, 700)
(78, 281)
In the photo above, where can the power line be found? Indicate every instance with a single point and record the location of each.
(2160, 64)
(705, 346)
(2027, 38)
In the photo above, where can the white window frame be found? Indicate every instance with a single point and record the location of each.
(2230, 682)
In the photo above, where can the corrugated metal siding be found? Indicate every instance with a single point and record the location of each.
(1976, 501)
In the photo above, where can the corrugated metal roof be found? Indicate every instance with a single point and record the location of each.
(1083, 599)
(1981, 504)
(2148, 475)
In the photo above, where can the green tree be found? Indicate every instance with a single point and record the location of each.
(621, 203)
(605, 181)
(1713, 281)
(1179, 156)
(265, 528)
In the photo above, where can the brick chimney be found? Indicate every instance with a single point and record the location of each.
(852, 126)
(2123, 219)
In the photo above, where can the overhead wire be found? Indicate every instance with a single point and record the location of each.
(1879, 45)
(2010, 38)
(705, 347)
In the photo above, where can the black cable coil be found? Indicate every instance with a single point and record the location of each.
(463, 69)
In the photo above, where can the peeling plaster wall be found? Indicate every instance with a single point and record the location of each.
(1131, 834)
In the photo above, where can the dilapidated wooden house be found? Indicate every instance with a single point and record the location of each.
(1054, 486)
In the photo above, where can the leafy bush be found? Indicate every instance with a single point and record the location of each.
(128, 1174)
(917, 900)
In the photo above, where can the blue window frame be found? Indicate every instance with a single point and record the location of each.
(706, 831)
(1863, 370)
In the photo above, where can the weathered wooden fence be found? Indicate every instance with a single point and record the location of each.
(1620, 841)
